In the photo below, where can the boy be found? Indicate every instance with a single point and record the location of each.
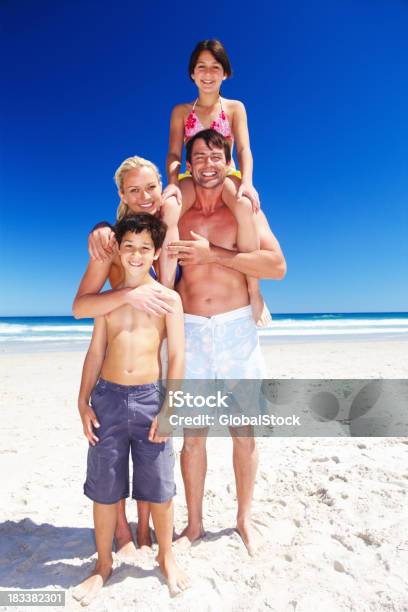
(125, 351)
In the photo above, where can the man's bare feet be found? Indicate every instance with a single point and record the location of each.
(188, 536)
(250, 536)
(177, 580)
(87, 590)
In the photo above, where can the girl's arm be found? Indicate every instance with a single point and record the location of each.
(244, 154)
(90, 374)
(174, 153)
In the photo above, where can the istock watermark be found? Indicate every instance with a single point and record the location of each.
(179, 399)
(290, 407)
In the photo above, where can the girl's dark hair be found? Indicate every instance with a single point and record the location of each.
(140, 222)
(217, 49)
(212, 139)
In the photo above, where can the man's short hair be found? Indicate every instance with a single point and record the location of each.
(212, 139)
(138, 223)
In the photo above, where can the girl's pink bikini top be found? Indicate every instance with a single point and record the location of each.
(194, 125)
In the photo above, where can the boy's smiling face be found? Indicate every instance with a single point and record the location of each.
(137, 253)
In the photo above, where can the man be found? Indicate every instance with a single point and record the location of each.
(215, 299)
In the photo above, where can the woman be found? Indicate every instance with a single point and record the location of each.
(139, 187)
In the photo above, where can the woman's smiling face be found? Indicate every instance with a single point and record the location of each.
(141, 190)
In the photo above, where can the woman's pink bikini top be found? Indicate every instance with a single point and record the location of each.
(194, 125)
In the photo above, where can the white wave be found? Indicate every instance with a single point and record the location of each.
(12, 328)
(44, 338)
(343, 323)
(271, 331)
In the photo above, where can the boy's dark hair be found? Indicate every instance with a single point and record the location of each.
(139, 222)
(217, 50)
(213, 140)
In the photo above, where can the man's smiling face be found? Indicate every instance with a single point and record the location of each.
(208, 165)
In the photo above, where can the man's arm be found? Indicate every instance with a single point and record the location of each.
(266, 262)
(90, 373)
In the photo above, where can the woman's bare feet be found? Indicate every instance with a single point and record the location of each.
(87, 590)
(143, 537)
(249, 535)
(125, 546)
(123, 535)
(177, 580)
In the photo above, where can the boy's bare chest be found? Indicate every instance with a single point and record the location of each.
(128, 320)
(219, 227)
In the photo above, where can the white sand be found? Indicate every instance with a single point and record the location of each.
(333, 511)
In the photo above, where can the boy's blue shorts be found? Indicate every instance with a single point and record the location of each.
(125, 413)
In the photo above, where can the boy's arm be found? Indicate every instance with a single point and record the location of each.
(90, 374)
(90, 303)
(175, 342)
(175, 371)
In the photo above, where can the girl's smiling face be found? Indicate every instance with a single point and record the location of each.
(208, 73)
(141, 190)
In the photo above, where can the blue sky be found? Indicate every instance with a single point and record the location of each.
(324, 83)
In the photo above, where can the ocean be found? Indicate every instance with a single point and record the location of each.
(66, 333)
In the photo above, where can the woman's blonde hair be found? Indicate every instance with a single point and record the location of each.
(130, 164)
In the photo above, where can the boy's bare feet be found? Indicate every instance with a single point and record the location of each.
(250, 536)
(177, 580)
(87, 590)
(188, 536)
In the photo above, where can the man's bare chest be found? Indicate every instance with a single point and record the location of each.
(219, 227)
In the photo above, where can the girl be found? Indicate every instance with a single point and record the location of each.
(209, 66)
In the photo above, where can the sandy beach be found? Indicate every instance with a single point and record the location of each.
(333, 512)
